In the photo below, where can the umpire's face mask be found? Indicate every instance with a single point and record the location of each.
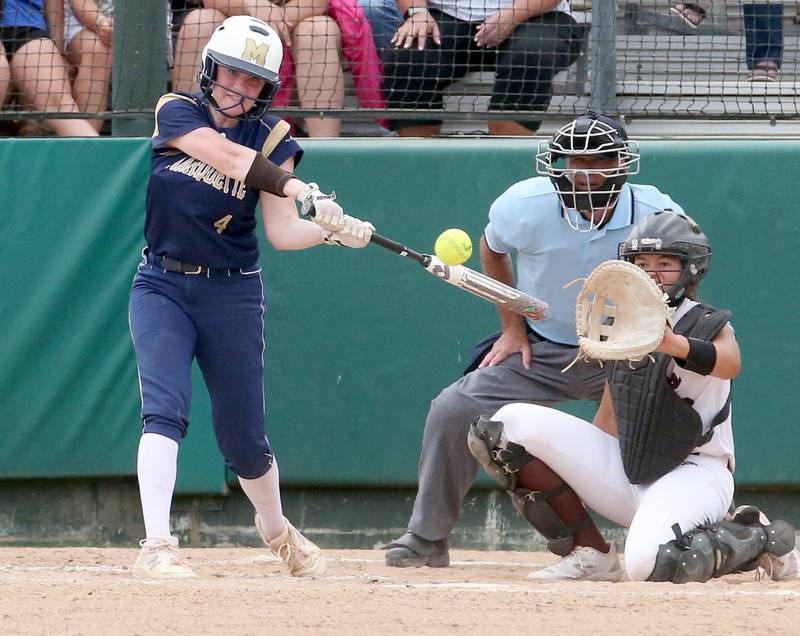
(588, 187)
(588, 171)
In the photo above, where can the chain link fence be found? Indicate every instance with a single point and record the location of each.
(361, 66)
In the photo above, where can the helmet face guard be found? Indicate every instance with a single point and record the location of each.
(580, 191)
(208, 82)
(673, 234)
(247, 45)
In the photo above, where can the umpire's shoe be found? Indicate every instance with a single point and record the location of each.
(412, 551)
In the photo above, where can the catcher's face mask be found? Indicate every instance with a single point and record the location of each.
(664, 269)
(675, 234)
(588, 162)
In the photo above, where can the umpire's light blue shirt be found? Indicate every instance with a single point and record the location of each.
(527, 219)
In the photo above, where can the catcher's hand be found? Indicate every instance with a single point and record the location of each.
(621, 313)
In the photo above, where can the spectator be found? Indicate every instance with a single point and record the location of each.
(88, 36)
(304, 27)
(36, 66)
(5, 75)
(691, 14)
(524, 42)
(358, 48)
(384, 18)
(763, 32)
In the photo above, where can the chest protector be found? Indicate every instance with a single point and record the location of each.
(657, 428)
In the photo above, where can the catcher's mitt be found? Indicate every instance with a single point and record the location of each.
(620, 313)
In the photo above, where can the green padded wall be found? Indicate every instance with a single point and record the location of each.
(358, 342)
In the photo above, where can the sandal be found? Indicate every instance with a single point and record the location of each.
(765, 71)
(691, 14)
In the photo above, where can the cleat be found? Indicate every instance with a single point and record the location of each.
(302, 556)
(412, 551)
(159, 559)
(583, 564)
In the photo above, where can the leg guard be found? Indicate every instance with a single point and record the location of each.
(534, 506)
(502, 460)
(780, 535)
(718, 549)
(483, 439)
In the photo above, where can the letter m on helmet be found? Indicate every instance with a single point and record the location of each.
(255, 53)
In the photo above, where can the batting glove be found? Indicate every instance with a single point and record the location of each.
(354, 233)
(322, 208)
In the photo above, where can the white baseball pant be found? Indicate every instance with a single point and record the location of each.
(699, 491)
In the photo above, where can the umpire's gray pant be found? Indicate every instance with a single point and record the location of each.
(446, 467)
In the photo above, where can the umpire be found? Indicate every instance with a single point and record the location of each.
(560, 225)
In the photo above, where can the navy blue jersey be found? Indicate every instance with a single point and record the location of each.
(194, 213)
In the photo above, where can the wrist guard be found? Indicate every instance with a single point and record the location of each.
(702, 357)
(265, 175)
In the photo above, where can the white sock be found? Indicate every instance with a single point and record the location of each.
(265, 495)
(157, 468)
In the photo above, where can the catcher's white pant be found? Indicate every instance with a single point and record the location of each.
(699, 491)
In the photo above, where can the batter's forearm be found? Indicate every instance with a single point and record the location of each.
(297, 235)
(267, 177)
(283, 228)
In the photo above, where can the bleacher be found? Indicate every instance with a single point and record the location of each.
(663, 69)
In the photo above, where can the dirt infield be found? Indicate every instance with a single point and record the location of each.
(246, 591)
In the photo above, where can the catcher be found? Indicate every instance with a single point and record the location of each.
(659, 458)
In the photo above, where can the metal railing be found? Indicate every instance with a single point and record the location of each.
(639, 59)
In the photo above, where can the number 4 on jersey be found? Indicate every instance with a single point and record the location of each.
(222, 223)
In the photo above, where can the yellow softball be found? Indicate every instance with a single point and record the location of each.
(453, 246)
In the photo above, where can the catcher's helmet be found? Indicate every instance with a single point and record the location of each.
(590, 135)
(668, 232)
(245, 44)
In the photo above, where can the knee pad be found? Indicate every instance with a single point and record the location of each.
(667, 562)
(688, 559)
(502, 461)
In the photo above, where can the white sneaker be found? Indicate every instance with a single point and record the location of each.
(160, 559)
(302, 556)
(583, 564)
(781, 568)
